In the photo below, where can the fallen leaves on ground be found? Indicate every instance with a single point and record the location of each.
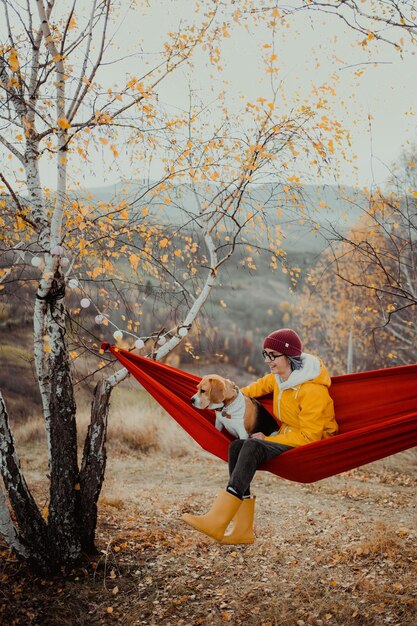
(339, 552)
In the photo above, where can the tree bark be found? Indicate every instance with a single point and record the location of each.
(32, 532)
(62, 527)
(93, 466)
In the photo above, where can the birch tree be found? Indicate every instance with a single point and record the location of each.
(47, 105)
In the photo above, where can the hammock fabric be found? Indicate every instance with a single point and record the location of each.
(376, 412)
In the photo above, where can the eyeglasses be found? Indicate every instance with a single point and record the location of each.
(270, 355)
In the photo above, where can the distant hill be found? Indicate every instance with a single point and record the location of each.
(321, 206)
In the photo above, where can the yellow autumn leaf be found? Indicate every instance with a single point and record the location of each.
(164, 242)
(13, 60)
(134, 261)
(96, 272)
(63, 123)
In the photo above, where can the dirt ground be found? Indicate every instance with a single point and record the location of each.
(342, 551)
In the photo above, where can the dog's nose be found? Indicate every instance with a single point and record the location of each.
(193, 400)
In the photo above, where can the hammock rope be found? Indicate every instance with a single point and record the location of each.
(376, 412)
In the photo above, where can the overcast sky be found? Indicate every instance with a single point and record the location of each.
(378, 108)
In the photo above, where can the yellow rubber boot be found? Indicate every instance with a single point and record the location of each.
(215, 522)
(241, 530)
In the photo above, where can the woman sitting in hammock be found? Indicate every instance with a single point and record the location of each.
(301, 403)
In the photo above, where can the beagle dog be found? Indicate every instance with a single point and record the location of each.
(239, 414)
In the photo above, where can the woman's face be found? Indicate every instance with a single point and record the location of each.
(278, 363)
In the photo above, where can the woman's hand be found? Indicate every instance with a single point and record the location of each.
(257, 436)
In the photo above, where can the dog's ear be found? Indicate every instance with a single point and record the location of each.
(229, 389)
(217, 388)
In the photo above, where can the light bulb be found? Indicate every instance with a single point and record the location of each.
(85, 303)
(118, 335)
(139, 344)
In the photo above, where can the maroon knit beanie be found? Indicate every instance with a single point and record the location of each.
(285, 341)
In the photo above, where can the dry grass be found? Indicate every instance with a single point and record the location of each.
(137, 423)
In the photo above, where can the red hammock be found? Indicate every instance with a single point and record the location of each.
(376, 412)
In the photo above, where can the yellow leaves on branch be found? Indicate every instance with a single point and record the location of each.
(102, 118)
(294, 179)
(63, 123)
(105, 267)
(134, 261)
(13, 60)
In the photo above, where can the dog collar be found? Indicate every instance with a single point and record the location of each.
(227, 409)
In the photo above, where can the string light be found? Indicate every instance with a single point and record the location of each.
(57, 251)
(139, 344)
(73, 283)
(36, 261)
(85, 303)
(118, 335)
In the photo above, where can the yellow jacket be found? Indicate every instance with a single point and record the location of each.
(302, 404)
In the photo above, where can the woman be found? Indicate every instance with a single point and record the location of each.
(304, 409)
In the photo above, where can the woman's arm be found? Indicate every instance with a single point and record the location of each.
(260, 387)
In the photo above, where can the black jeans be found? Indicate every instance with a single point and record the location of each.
(245, 456)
